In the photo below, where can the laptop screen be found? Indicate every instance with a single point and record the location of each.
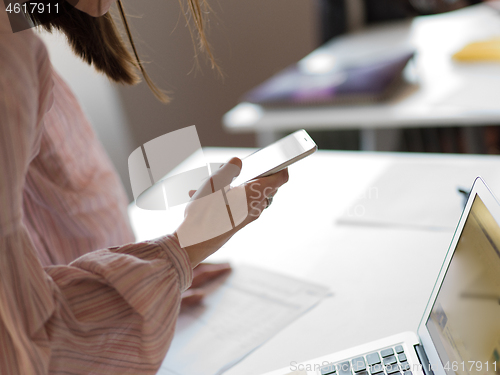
(464, 323)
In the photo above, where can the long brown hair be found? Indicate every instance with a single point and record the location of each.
(98, 42)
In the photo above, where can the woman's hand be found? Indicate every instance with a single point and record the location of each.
(203, 274)
(205, 214)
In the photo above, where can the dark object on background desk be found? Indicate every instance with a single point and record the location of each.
(465, 194)
(357, 84)
(333, 16)
(426, 7)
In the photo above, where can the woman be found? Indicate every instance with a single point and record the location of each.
(77, 296)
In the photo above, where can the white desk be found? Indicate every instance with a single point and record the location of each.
(299, 236)
(448, 93)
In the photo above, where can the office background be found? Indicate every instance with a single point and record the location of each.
(252, 40)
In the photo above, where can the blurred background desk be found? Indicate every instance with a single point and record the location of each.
(444, 92)
(381, 275)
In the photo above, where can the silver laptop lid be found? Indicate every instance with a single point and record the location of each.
(460, 329)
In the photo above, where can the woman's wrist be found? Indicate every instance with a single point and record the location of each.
(193, 254)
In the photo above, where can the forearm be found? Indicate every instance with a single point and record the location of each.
(108, 309)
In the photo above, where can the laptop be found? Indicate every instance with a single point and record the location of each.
(459, 333)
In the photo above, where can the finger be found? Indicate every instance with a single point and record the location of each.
(191, 297)
(270, 193)
(235, 161)
(254, 212)
(205, 273)
(191, 193)
(277, 179)
(267, 192)
(219, 179)
(225, 175)
(266, 186)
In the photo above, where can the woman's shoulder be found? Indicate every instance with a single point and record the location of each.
(26, 72)
(23, 58)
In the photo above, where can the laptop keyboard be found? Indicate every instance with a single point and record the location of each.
(389, 361)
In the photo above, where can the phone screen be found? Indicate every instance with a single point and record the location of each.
(274, 155)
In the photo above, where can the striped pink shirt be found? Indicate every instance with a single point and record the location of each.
(71, 300)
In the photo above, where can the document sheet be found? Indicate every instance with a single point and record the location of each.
(413, 194)
(238, 315)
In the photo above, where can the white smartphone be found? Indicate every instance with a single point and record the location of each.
(276, 156)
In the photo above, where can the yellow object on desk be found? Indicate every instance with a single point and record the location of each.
(487, 50)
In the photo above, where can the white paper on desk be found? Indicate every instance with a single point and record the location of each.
(412, 193)
(250, 307)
